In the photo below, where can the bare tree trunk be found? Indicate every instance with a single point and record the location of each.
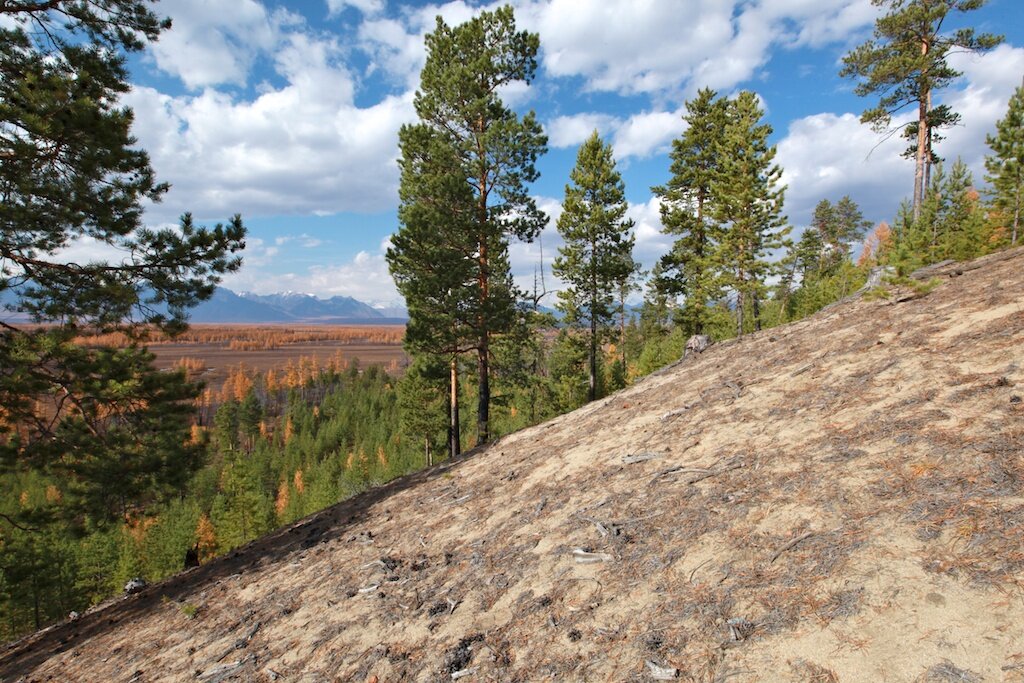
(922, 141)
(454, 447)
(928, 150)
(757, 311)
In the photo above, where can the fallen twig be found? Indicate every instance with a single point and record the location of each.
(698, 567)
(640, 457)
(790, 545)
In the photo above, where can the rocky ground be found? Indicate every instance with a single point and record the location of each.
(840, 499)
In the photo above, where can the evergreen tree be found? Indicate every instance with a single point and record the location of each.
(1005, 166)
(905, 64)
(686, 210)
(115, 428)
(422, 405)
(748, 200)
(432, 256)
(598, 250)
(495, 150)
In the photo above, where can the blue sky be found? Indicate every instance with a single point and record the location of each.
(287, 111)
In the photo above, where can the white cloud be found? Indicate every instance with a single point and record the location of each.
(368, 7)
(569, 131)
(302, 148)
(715, 43)
(210, 46)
(640, 135)
(647, 133)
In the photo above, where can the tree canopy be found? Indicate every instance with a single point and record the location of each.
(70, 171)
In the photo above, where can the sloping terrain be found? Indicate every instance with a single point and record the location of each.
(840, 499)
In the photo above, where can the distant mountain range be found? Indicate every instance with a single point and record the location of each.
(226, 306)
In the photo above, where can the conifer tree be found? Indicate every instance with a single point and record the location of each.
(749, 201)
(495, 151)
(116, 428)
(432, 256)
(1005, 166)
(904, 63)
(686, 210)
(598, 250)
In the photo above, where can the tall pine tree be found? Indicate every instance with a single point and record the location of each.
(904, 63)
(1005, 166)
(749, 202)
(598, 251)
(495, 150)
(432, 256)
(687, 203)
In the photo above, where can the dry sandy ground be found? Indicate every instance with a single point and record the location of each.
(840, 499)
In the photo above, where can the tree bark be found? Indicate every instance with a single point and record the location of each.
(1016, 217)
(484, 403)
(922, 140)
(454, 447)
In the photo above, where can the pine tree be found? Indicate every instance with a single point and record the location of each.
(905, 64)
(432, 256)
(495, 151)
(686, 210)
(598, 250)
(1005, 165)
(749, 202)
(116, 428)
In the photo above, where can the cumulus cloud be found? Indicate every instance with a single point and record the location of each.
(569, 131)
(368, 7)
(639, 135)
(304, 147)
(208, 46)
(715, 43)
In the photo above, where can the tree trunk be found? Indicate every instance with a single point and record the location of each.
(1016, 218)
(757, 311)
(739, 312)
(928, 148)
(592, 388)
(454, 448)
(922, 140)
(484, 402)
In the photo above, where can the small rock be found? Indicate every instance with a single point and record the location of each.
(135, 585)
(74, 616)
(698, 343)
(662, 673)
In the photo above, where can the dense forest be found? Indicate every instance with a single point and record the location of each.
(112, 471)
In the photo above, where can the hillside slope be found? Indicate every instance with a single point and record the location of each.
(840, 499)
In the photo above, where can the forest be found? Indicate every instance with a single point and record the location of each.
(112, 470)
